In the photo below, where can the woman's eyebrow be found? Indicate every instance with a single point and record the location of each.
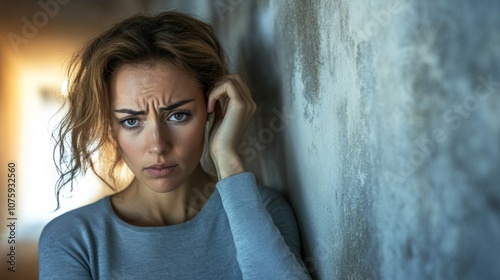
(175, 105)
(168, 108)
(130, 112)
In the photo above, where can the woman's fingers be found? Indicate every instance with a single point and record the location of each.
(231, 102)
(232, 94)
(238, 87)
(237, 108)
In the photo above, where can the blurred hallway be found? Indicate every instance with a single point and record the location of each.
(38, 39)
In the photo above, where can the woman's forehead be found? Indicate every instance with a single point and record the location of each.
(160, 83)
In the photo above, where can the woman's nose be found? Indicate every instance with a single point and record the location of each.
(159, 142)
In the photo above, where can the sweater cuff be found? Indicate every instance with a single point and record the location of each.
(239, 189)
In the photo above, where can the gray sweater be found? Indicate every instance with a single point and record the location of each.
(242, 232)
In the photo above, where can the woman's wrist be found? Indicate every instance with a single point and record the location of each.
(228, 165)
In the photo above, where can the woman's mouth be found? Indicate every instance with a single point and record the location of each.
(160, 169)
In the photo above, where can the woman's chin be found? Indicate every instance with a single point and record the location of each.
(162, 187)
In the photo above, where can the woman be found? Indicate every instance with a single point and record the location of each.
(146, 93)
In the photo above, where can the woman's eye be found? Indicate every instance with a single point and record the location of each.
(130, 123)
(179, 117)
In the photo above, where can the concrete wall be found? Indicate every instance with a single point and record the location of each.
(379, 119)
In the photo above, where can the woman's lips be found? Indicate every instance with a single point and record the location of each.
(160, 169)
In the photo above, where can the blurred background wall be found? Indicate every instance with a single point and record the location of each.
(378, 119)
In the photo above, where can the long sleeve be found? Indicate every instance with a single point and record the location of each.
(266, 237)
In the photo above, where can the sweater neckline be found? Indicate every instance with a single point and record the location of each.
(200, 218)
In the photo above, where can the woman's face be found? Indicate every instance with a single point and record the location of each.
(158, 116)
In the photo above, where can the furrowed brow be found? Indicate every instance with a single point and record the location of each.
(130, 112)
(175, 105)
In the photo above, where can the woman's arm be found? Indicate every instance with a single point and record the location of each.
(267, 240)
(260, 235)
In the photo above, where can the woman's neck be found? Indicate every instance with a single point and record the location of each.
(139, 206)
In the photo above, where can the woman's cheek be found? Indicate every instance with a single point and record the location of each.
(194, 137)
(129, 144)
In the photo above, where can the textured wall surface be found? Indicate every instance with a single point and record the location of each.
(380, 121)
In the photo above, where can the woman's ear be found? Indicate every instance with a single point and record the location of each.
(210, 122)
(111, 132)
(110, 128)
(206, 160)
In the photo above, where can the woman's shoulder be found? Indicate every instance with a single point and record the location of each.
(77, 219)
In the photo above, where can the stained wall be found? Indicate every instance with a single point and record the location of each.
(379, 120)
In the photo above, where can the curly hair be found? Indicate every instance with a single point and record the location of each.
(83, 137)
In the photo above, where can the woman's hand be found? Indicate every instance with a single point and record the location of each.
(232, 114)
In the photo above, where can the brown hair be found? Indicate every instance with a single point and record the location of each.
(172, 37)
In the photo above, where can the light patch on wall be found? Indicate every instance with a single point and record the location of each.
(65, 87)
(266, 23)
